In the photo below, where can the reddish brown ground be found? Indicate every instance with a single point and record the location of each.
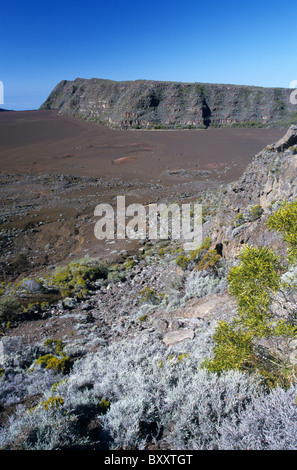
(51, 218)
(38, 142)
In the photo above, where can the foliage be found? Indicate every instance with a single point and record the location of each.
(150, 295)
(256, 212)
(104, 406)
(129, 264)
(51, 402)
(284, 221)
(58, 364)
(209, 261)
(251, 215)
(293, 149)
(128, 394)
(8, 308)
(252, 283)
(78, 277)
(267, 423)
(56, 345)
(233, 349)
(238, 220)
(194, 256)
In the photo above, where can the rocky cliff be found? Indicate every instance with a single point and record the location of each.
(153, 104)
(270, 179)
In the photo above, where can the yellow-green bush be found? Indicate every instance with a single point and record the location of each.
(233, 349)
(78, 277)
(256, 212)
(194, 256)
(50, 403)
(104, 406)
(129, 264)
(284, 221)
(210, 261)
(238, 220)
(252, 283)
(58, 364)
(56, 345)
(148, 294)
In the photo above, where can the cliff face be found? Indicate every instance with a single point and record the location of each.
(152, 104)
(270, 179)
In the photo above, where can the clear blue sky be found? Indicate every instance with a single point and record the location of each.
(241, 42)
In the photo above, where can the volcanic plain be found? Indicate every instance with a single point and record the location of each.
(54, 171)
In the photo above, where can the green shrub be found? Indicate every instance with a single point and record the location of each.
(210, 261)
(256, 212)
(183, 261)
(50, 403)
(142, 318)
(8, 308)
(104, 406)
(293, 148)
(253, 283)
(129, 264)
(284, 221)
(58, 364)
(78, 277)
(148, 295)
(238, 221)
(233, 349)
(194, 256)
(56, 345)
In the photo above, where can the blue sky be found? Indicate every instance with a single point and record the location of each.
(242, 42)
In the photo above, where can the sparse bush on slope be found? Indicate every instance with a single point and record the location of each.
(269, 422)
(255, 283)
(217, 391)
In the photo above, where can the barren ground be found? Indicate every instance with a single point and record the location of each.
(55, 169)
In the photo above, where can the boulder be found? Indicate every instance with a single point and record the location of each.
(32, 286)
(177, 336)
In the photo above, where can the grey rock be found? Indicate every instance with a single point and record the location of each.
(69, 303)
(289, 139)
(177, 336)
(32, 286)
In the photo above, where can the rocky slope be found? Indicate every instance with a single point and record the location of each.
(268, 180)
(153, 104)
(134, 344)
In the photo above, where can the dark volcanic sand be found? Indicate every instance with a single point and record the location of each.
(54, 170)
(38, 142)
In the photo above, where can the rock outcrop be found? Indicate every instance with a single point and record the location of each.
(270, 179)
(153, 104)
(289, 139)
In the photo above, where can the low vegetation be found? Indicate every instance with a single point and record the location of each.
(255, 283)
(227, 388)
(77, 277)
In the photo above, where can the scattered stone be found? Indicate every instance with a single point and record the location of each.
(69, 303)
(177, 336)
